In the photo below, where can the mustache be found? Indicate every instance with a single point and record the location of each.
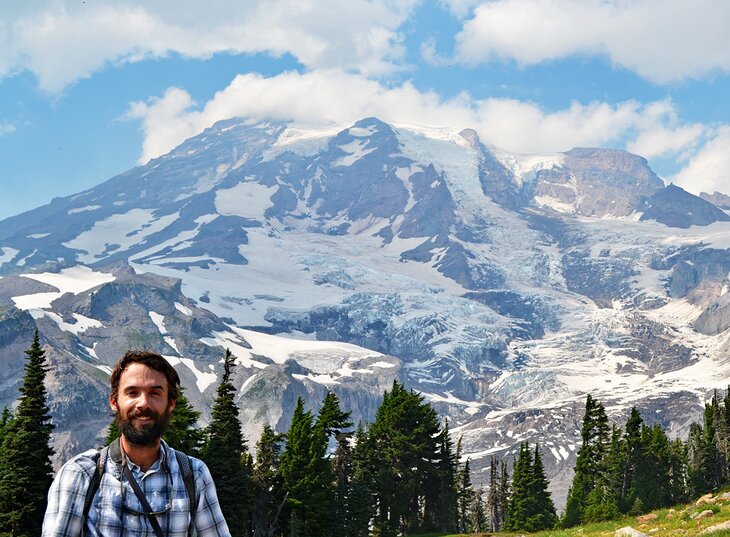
(144, 414)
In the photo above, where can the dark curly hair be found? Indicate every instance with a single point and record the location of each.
(151, 360)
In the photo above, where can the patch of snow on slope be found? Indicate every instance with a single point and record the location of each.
(302, 140)
(355, 151)
(82, 323)
(159, 321)
(122, 231)
(74, 279)
(183, 309)
(246, 199)
(7, 254)
(84, 209)
(203, 379)
(280, 349)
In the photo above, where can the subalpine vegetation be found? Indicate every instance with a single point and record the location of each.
(403, 474)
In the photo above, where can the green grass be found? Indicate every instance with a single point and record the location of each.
(669, 523)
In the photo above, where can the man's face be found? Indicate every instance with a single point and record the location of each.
(142, 405)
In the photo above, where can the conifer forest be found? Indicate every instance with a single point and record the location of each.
(402, 474)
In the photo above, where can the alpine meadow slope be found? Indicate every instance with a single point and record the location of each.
(503, 287)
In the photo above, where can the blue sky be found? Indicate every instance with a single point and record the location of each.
(89, 89)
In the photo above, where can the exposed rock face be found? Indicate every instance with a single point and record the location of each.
(676, 207)
(610, 182)
(717, 198)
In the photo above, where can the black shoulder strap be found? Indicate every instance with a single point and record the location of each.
(183, 461)
(100, 458)
(186, 467)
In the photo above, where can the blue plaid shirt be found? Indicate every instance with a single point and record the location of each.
(106, 516)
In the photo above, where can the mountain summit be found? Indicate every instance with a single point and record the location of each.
(503, 287)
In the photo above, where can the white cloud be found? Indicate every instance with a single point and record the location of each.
(62, 42)
(709, 169)
(6, 128)
(342, 98)
(661, 41)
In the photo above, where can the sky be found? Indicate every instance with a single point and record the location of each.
(90, 89)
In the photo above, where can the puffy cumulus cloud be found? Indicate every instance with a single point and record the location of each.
(340, 98)
(709, 169)
(64, 41)
(661, 41)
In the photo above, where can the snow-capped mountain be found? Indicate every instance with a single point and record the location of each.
(503, 287)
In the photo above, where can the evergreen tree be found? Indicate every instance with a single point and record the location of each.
(478, 513)
(331, 418)
(493, 511)
(519, 507)
(444, 498)
(25, 455)
(359, 504)
(113, 432)
(267, 485)
(465, 494)
(404, 438)
(652, 476)
(307, 477)
(678, 487)
(5, 420)
(504, 492)
(182, 431)
(590, 462)
(711, 458)
(695, 453)
(530, 508)
(226, 455)
(342, 470)
(632, 457)
(542, 512)
(603, 500)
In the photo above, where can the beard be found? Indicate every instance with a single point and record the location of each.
(147, 434)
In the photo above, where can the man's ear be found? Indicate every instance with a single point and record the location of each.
(171, 404)
(113, 404)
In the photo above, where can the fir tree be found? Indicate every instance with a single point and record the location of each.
(182, 431)
(493, 511)
(342, 470)
(267, 485)
(226, 455)
(632, 457)
(331, 418)
(113, 432)
(531, 507)
(359, 504)
(590, 462)
(518, 510)
(444, 498)
(541, 514)
(404, 441)
(478, 513)
(465, 494)
(25, 455)
(307, 477)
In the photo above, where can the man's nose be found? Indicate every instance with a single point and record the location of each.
(142, 401)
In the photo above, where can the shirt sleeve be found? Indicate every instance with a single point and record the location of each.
(66, 497)
(209, 521)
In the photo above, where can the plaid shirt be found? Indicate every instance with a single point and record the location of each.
(106, 516)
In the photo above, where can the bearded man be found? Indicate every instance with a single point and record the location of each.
(138, 486)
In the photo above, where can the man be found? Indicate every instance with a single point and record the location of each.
(144, 388)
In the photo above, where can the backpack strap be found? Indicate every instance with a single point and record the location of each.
(183, 461)
(186, 467)
(100, 459)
